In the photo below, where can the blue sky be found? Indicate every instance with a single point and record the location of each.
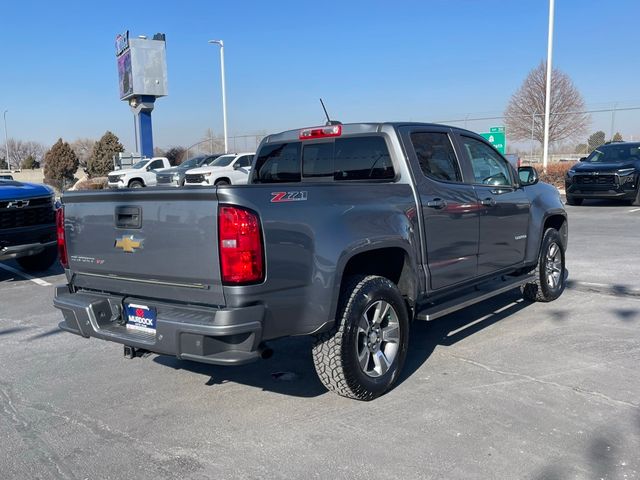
(370, 60)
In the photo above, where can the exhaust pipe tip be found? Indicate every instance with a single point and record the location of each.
(265, 352)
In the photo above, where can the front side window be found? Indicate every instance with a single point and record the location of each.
(436, 156)
(489, 168)
(156, 164)
(245, 161)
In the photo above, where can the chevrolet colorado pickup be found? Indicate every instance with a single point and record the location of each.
(344, 232)
(27, 225)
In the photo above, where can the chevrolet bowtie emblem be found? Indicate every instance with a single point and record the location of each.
(128, 244)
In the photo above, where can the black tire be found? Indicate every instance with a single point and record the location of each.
(135, 184)
(39, 262)
(335, 353)
(574, 201)
(543, 288)
(222, 182)
(636, 201)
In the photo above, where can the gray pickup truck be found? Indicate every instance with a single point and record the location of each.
(344, 232)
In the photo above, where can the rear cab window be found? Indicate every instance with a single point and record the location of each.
(362, 158)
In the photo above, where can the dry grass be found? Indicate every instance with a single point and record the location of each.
(555, 173)
(97, 183)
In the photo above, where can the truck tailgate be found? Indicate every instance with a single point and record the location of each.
(147, 243)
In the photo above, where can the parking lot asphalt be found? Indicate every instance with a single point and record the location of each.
(503, 389)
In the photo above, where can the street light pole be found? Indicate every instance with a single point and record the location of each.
(547, 101)
(224, 95)
(6, 140)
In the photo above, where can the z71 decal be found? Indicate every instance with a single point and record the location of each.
(277, 197)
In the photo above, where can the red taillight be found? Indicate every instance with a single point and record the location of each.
(321, 132)
(62, 244)
(240, 243)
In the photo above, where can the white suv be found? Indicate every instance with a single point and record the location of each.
(141, 174)
(227, 169)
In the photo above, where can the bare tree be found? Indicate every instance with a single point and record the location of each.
(525, 110)
(83, 148)
(19, 150)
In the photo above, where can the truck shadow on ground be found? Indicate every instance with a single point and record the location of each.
(291, 372)
(13, 272)
(451, 329)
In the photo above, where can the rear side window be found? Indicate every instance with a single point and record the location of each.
(436, 156)
(278, 163)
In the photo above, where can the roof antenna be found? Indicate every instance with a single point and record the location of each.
(329, 121)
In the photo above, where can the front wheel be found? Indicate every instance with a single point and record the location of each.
(362, 356)
(39, 262)
(550, 271)
(219, 183)
(135, 184)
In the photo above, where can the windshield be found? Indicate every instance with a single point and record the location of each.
(222, 161)
(615, 154)
(191, 163)
(140, 164)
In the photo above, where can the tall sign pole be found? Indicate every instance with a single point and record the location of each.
(224, 94)
(547, 100)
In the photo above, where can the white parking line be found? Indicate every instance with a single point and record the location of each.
(26, 276)
(634, 210)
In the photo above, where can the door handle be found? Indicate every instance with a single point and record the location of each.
(437, 203)
(488, 202)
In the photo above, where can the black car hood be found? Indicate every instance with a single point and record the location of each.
(603, 167)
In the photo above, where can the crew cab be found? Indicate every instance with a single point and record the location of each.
(141, 174)
(228, 169)
(611, 171)
(346, 232)
(27, 224)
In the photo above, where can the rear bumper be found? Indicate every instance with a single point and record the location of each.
(208, 335)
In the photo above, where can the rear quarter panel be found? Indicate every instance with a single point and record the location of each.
(309, 242)
(545, 202)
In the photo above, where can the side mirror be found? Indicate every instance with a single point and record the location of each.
(237, 166)
(528, 176)
(583, 159)
(148, 168)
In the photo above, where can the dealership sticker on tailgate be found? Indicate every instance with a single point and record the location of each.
(141, 317)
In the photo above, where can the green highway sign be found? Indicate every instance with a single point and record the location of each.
(496, 137)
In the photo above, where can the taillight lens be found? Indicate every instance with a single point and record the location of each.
(62, 244)
(320, 132)
(240, 242)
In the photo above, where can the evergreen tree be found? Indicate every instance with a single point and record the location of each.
(101, 161)
(617, 137)
(61, 164)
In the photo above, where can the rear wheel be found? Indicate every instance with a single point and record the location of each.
(39, 262)
(574, 201)
(135, 184)
(362, 356)
(550, 271)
